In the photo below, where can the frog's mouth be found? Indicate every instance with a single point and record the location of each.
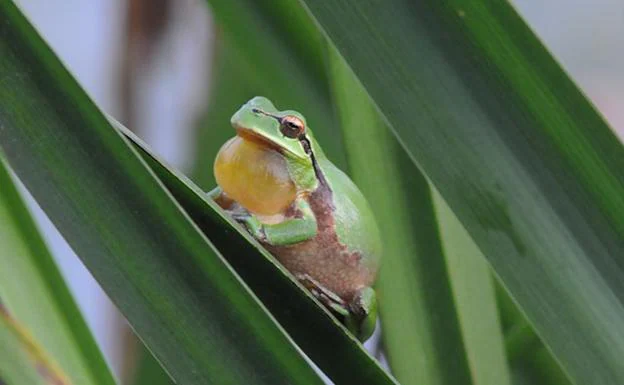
(252, 136)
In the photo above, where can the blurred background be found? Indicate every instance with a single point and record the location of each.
(153, 66)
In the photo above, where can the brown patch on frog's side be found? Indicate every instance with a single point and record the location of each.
(354, 258)
(324, 257)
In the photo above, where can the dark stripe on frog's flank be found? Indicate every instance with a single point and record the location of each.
(324, 257)
(307, 147)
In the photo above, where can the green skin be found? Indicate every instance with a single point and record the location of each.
(328, 238)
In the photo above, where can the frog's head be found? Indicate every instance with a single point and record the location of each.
(286, 131)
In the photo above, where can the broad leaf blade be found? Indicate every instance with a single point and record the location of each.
(523, 160)
(475, 298)
(318, 333)
(32, 288)
(525, 351)
(421, 333)
(183, 300)
(148, 370)
(432, 277)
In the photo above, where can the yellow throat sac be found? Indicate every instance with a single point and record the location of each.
(255, 175)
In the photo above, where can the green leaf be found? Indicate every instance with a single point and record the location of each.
(182, 299)
(148, 370)
(35, 293)
(475, 298)
(420, 328)
(455, 336)
(525, 351)
(524, 161)
(314, 329)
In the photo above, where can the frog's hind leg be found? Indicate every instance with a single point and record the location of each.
(359, 315)
(327, 297)
(363, 313)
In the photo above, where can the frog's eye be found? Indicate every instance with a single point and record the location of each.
(291, 126)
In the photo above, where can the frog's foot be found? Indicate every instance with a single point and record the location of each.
(363, 313)
(327, 297)
(359, 315)
(251, 222)
(238, 213)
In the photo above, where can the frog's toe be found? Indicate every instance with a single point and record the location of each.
(239, 216)
(363, 309)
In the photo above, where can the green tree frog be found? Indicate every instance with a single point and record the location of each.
(274, 178)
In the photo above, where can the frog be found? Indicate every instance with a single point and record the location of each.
(274, 178)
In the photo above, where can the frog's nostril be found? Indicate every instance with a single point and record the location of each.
(261, 112)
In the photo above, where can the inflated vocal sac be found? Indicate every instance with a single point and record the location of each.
(254, 175)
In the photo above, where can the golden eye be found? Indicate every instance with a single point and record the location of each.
(291, 126)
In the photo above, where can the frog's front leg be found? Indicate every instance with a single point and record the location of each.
(292, 230)
(359, 315)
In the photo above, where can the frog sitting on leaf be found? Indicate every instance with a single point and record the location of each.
(274, 178)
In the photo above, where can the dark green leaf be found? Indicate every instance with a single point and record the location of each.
(449, 302)
(420, 327)
(523, 160)
(148, 370)
(473, 289)
(525, 350)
